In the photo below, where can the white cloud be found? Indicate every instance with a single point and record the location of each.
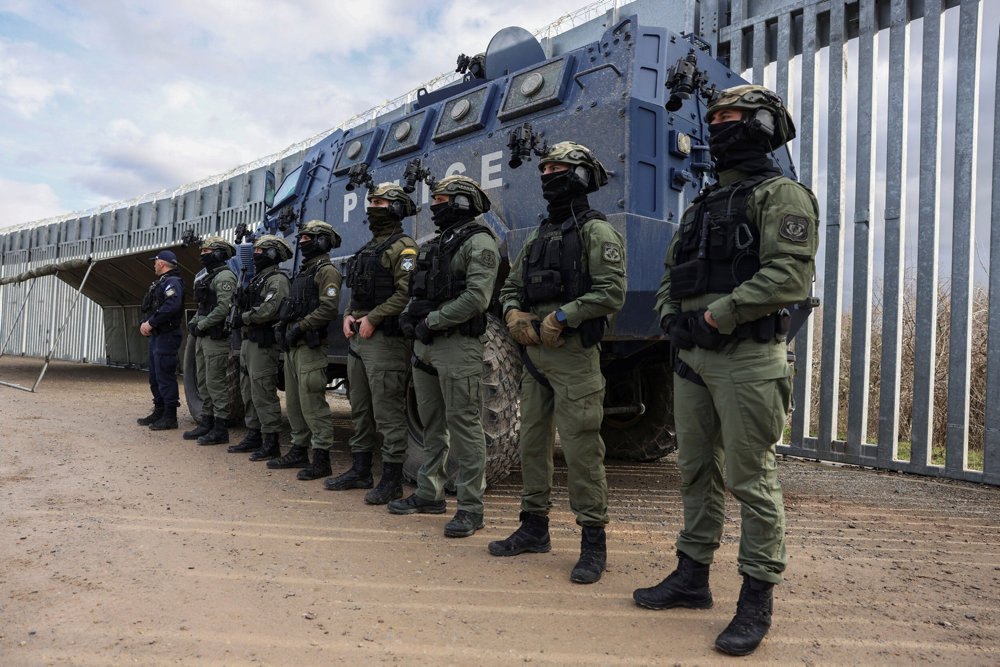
(26, 85)
(25, 202)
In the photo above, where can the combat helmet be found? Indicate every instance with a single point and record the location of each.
(220, 247)
(275, 247)
(466, 195)
(587, 170)
(763, 112)
(400, 204)
(326, 237)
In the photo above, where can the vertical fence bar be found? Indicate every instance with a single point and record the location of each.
(925, 336)
(759, 52)
(783, 57)
(895, 214)
(834, 270)
(736, 37)
(991, 439)
(802, 392)
(963, 237)
(861, 304)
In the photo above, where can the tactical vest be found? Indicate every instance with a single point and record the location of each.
(153, 300)
(720, 248)
(552, 270)
(253, 297)
(370, 282)
(433, 280)
(207, 301)
(302, 299)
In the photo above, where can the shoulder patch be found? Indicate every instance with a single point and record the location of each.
(331, 291)
(407, 263)
(169, 291)
(269, 296)
(795, 228)
(226, 286)
(488, 258)
(611, 253)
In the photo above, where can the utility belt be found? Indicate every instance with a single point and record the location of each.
(474, 326)
(591, 331)
(389, 326)
(771, 328)
(262, 335)
(217, 332)
(167, 327)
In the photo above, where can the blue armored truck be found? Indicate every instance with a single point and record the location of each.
(612, 94)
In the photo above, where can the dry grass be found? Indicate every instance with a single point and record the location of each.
(977, 378)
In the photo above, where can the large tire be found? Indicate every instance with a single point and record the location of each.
(194, 402)
(650, 435)
(500, 412)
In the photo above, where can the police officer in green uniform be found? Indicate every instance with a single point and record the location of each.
(569, 276)
(303, 319)
(256, 313)
(450, 289)
(744, 252)
(213, 290)
(378, 362)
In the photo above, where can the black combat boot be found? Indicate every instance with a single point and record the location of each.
(320, 466)
(752, 620)
(532, 535)
(414, 504)
(389, 487)
(218, 435)
(152, 416)
(464, 524)
(203, 427)
(358, 477)
(251, 443)
(269, 450)
(687, 586)
(167, 421)
(593, 556)
(297, 457)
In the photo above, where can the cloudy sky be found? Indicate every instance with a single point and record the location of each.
(104, 100)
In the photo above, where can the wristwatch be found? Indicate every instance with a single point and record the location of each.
(560, 316)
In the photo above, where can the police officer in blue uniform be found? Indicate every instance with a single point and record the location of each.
(162, 313)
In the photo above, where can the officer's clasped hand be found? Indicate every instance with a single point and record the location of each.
(423, 333)
(293, 335)
(519, 323)
(408, 324)
(193, 328)
(704, 334)
(238, 320)
(678, 330)
(551, 331)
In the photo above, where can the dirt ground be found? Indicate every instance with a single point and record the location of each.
(118, 545)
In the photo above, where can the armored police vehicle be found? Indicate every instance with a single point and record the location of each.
(630, 94)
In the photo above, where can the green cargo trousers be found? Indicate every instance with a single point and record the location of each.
(733, 423)
(575, 406)
(212, 365)
(305, 397)
(448, 404)
(258, 387)
(378, 370)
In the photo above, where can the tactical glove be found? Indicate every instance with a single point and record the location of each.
(193, 328)
(421, 308)
(678, 328)
(519, 323)
(293, 335)
(423, 333)
(551, 331)
(408, 325)
(704, 334)
(238, 320)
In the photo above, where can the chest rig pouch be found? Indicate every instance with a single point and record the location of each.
(302, 299)
(719, 247)
(370, 282)
(553, 271)
(433, 279)
(253, 297)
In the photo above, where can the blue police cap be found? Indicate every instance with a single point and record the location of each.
(166, 256)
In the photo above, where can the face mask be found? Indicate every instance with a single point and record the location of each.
(381, 219)
(309, 248)
(444, 216)
(261, 261)
(210, 261)
(556, 185)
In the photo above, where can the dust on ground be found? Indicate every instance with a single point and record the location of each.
(118, 544)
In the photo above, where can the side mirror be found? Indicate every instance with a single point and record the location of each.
(269, 189)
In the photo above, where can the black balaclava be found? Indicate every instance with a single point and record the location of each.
(733, 147)
(310, 248)
(211, 261)
(448, 215)
(381, 220)
(266, 258)
(565, 194)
